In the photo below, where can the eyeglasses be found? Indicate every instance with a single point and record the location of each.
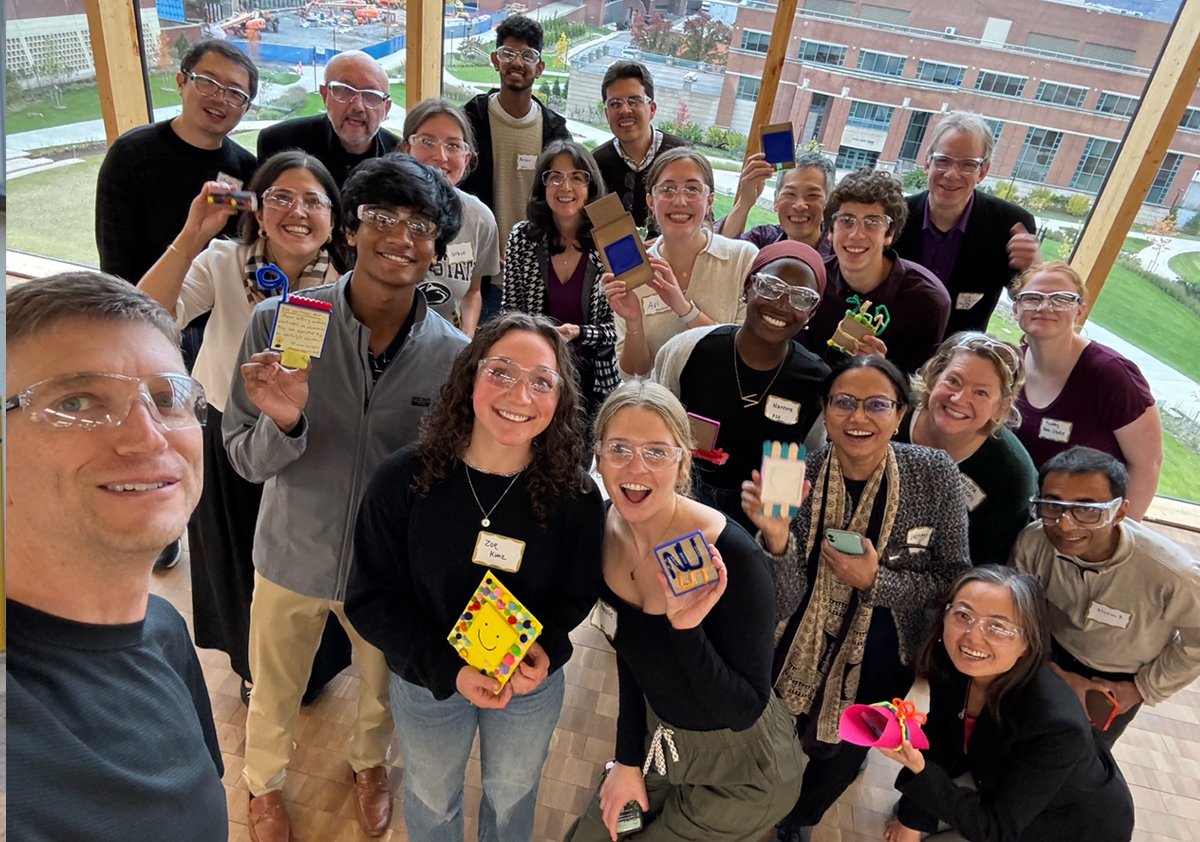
(615, 103)
(848, 221)
(94, 401)
(386, 219)
(341, 92)
(429, 143)
(844, 404)
(504, 373)
(1031, 300)
(1087, 515)
(284, 199)
(619, 454)
(690, 190)
(963, 619)
(211, 88)
(966, 166)
(802, 299)
(508, 55)
(577, 178)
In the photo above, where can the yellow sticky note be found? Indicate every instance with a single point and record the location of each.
(291, 358)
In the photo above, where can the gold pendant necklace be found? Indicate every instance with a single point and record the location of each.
(487, 516)
(754, 399)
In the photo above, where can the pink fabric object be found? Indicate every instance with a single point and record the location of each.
(884, 724)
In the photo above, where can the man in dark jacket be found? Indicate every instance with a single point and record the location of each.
(973, 242)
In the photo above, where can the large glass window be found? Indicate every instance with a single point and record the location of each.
(816, 52)
(940, 74)
(914, 135)
(851, 158)
(881, 63)
(869, 115)
(1118, 104)
(1057, 93)
(1094, 164)
(999, 83)
(1033, 164)
(757, 42)
(747, 89)
(1190, 119)
(1163, 180)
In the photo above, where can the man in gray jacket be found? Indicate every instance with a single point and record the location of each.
(314, 436)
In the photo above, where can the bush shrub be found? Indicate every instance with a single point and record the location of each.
(1039, 199)
(1079, 205)
(1007, 191)
(915, 180)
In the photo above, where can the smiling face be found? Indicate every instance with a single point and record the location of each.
(514, 417)
(516, 75)
(629, 124)
(778, 321)
(211, 115)
(354, 123)
(493, 634)
(1045, 322)
(967, 396)
(860, 250)
(973, 653)
(75, 486)
(637, 490)
(949, 189)
(393, 258)
(861, 436)
(298, 231)
(1070, 538)
(444, 129)
(678, 216)
(567, 200)
(800, 204)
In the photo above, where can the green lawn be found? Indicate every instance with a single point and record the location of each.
(1134, 244)
(79, 104)
(276, 78)
(723, 204)
(53, 212)
(1180, 470)
(1186, 265)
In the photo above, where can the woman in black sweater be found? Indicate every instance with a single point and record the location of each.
(703, 745)
(493, 486)
(1001, 716)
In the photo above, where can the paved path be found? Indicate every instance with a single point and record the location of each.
(1149, 257)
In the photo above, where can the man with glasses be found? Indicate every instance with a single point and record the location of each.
(628, 94)
(952, 220)
(1124, 601)
(314, 437)
(511, 128)
(110, 730)
(357, 99)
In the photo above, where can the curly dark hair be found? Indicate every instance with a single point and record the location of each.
(523, 29)
(400, 180)
(537, 211)
(868, 186)
(446, 429)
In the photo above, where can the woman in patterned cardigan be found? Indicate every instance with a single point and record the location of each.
(850, 624)
(552, 267)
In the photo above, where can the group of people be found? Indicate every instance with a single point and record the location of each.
(477, 359)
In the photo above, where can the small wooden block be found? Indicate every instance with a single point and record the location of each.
(687, 563)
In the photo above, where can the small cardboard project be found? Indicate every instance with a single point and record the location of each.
(856, 325)
(621, 247)
(494, 631)
(686, 563)
(240, 199)
(782, 478)
(779, 145)
(705, 431)
(300, 327)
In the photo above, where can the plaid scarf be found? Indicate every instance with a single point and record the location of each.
(313, 274)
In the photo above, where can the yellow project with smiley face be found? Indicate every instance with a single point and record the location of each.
(494, 631)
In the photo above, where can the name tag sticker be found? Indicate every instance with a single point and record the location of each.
(967, 300)
(226, 178)
(460, 252)
(526, 162)
(604, 617)
(1114, 617)
(496, 551)
(653, 305)
(782, 410)
(919, 535)
(974, 493)
(1054, 430)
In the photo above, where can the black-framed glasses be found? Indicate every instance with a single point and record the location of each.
(994, 630)
(634, 102)
(619, 453)
(841, 403)
(772, 288)
(966, 166)
(872, 222)
(504, 373)
(1031, 300)
(212, 88)
(285, 199)
(508, 55)
(576, 178)
(370, 98)
(420, 227)
(1087, 515)
(92, 400)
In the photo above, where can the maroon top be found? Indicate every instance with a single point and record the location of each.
(564, 301)
(1103, 393)
(939, 249)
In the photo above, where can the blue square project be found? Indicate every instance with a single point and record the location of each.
(623, 255)
(779, 147)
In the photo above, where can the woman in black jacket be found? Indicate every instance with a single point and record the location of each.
(1000, 714)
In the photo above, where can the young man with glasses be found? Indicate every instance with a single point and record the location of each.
(1124, 601)
(357, 99)
(110, 730)
(952, 220)
(628, 94)
(314, 436)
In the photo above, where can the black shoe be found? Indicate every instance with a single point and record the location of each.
(169, 557)
(245, 694)
(311, 695)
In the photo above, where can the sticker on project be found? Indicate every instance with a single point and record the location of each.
(623, 255)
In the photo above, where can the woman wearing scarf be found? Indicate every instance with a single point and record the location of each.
(755, 381)
(850, 623)
(298, 228)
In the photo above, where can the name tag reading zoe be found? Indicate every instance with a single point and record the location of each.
(687, 563)
(499, 552)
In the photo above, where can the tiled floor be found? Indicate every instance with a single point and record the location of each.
(1159, 754)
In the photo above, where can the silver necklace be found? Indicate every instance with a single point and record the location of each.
(487, 516)
(752, 400)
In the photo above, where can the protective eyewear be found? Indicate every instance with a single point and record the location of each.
(966, 166)
(619, 454)
(508, 55)
(504, 373)
(689, 190)
(963, 619)
(1031, 300)
(212, 88)
(95, 401)
(341, 92)
(284, 199)
(576, 178)
(387, 219)
(1087, 515)
(802, 299)
(848, 221)
(633, 102)
(429, 143)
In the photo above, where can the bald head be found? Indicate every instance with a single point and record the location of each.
(359, 65)
(354, 122)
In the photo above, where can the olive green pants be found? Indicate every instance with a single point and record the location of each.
(726, 786)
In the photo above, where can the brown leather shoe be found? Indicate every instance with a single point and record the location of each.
(269, 820)
(373, 800)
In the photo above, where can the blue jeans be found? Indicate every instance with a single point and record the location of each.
(435, 741)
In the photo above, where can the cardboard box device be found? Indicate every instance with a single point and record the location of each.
(778, 143)
(621, 247)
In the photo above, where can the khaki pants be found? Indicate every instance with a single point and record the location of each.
(285, 631)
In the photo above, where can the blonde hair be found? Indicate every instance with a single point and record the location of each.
(1006, 359)
(641, 393)
(1059, 266)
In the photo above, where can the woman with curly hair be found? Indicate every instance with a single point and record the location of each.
(497, 461)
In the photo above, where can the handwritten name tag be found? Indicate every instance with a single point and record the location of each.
(460, 252)
(782, 410)
(1108, 615)
(919, 535)
(967, 300)
(653, 305)
(526, 162)
(1054, 430)
(974, 493)
(604, 617)
(499, 552)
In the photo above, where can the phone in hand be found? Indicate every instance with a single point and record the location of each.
(1101, 707)
(629, 820)
(850, 543)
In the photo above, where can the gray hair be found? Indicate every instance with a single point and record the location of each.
(967, 122)
(811, 160)
(38, 305)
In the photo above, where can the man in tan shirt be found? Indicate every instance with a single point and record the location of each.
(1124, 602)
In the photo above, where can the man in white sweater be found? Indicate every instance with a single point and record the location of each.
(1124, 601)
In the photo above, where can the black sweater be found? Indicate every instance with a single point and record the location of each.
(413, 571)
(315, 135)
(110, 731)
(716, 675)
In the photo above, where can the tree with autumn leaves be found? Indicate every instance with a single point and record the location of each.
(699, 39)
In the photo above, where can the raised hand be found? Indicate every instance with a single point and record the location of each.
(753, 179)
(774, 529)
(688, 610)
(204, 220)
(624, 302)
(1024, 250)
(278, 392)
(667, 286)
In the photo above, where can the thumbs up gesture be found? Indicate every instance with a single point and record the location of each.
(1024, 250)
